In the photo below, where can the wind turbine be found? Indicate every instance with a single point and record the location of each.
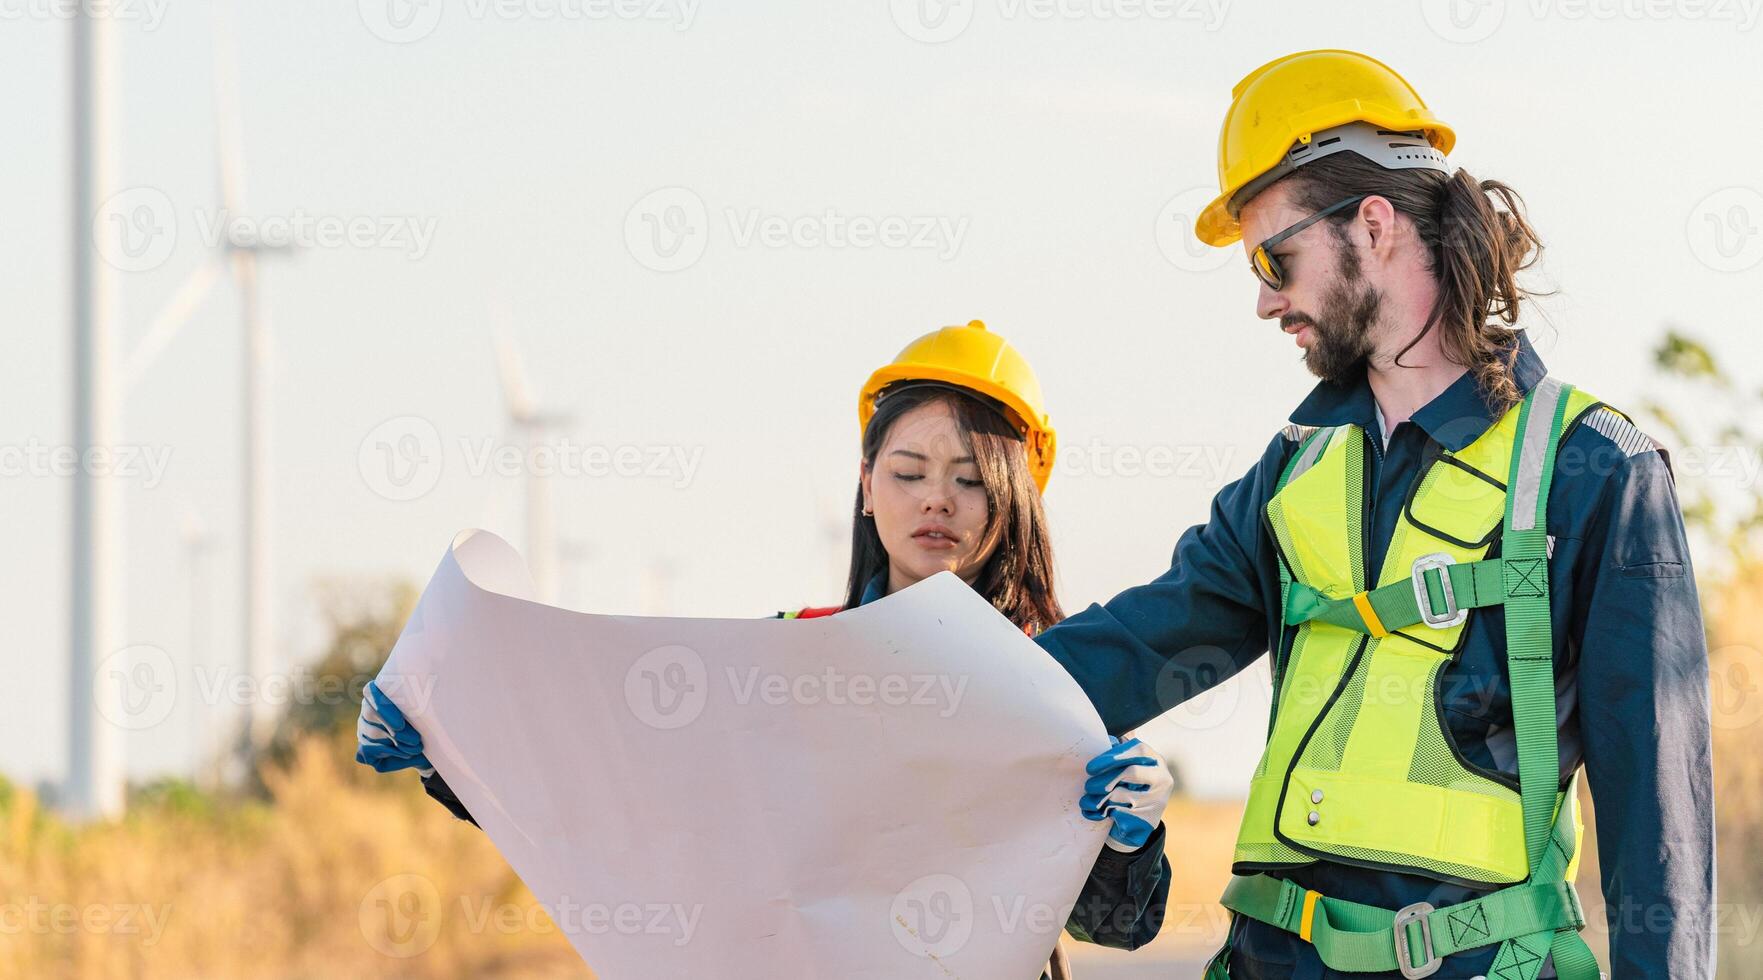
(526, 418)
(95, 781)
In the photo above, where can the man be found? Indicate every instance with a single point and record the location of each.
(1473, 578)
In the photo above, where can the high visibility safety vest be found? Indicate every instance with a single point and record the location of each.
(1359, 768)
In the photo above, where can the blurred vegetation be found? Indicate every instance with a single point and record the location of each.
(317, 867)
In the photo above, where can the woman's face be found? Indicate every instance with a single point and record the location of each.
(929, 502)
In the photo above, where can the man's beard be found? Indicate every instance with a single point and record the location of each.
(1342, 338)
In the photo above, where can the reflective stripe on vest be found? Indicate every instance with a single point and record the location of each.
(1358, 767)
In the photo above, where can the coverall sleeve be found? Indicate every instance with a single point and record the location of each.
(1644, 722)
(1122, 902)
(1156, 645)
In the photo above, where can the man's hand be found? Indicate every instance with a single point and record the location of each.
(1130, 784)
(385, 740)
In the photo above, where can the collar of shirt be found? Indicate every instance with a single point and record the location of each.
(877, 587)
(1454, 418)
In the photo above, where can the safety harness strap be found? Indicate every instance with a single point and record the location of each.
(1530, 667)
(1449, 590)
(1357, 938)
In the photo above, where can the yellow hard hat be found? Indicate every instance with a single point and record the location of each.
(974, 358)
(1290, 100)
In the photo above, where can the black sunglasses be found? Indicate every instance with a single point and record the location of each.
(1266, 265)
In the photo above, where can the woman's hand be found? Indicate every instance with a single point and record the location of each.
(385, 740)
(1130, 784)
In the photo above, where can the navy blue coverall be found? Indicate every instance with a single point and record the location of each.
(1631, 665)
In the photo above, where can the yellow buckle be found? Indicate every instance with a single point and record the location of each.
(1304, 924)
(1362, 602)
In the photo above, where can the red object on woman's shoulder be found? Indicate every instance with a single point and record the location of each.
(814, 612)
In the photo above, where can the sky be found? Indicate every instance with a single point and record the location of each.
(701, 225)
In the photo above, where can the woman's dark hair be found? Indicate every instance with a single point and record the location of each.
(1018, 578)
(1478, 240)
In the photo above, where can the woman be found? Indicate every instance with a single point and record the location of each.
(956, 451)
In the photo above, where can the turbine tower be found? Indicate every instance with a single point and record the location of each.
(257, 626)
(94, 788)
(526, 418)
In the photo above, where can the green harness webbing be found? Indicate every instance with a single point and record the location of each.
(1540, 915)
(1355, 938)
(1449, 589)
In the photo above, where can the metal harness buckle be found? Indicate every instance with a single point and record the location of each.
(1417, 912)
(1452, 616)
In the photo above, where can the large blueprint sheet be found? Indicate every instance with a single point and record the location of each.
(888, 792)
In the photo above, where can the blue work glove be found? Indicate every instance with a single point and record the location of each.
(1130, 784)
(385, 739)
